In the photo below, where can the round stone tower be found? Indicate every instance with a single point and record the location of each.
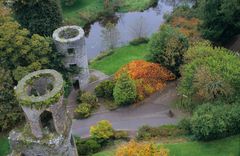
(70, 42)
(47, 131)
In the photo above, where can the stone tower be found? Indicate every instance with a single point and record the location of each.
(47, 131)
(70, 42)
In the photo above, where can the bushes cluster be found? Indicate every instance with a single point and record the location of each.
(101, 135)
(147, 132)
(87, 147)
(124, 92)
(105, 89)
(167, 48)
(139, 41)
(210, 73)
(148, 79)
(213, 122)
(88, 103)
(141, 149)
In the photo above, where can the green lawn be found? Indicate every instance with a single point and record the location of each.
(224, 147)
(86, 11)
(4, 146)
(121, 56)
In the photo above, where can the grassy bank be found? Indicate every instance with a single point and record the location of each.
(86, 11)
(223, 147)
(121, 56)
(4, 146)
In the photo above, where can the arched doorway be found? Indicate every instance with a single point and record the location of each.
(46, 120)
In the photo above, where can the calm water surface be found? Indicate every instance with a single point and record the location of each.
(127, 26)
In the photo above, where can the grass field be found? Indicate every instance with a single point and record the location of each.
(224, 147)
(121, 56)
(87, 11)
(4, 146)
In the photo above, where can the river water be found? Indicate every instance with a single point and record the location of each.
(127, 26)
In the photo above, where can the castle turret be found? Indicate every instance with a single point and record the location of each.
(47, 131)
(70, 42)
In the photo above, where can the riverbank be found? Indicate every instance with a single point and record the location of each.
(88, 11)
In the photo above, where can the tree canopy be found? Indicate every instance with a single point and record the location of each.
(221, 19)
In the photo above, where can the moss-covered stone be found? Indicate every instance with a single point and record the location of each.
(39, 101)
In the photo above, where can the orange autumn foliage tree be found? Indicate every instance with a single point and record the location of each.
(148, 77)
(141, 149)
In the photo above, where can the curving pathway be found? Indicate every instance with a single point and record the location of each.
(153, 111)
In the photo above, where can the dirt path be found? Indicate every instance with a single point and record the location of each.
(152, 111)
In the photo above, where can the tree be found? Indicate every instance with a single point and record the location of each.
(125, 91)
(221, 19)
(102, 131)
(11, 114)
(167, 48)
(141, 149)
(20, 52)
(39, 16)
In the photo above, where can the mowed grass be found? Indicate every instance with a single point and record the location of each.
(4, 146)
(90, 9)
(224, 147)
(121, 56)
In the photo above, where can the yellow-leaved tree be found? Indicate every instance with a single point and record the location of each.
(134, 148)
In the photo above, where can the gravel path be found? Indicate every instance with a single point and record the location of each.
(153, 111)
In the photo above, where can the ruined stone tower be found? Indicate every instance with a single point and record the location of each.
(70, 42)
(47, 131)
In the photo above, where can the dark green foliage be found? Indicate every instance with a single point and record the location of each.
(105, 89)
(212, 122)
(147, 132)
(125, 92)
(87, 147)
(167, 48)
(185, 124)
(40, 17)
(138, 41)
(11, 114)
(221, 19)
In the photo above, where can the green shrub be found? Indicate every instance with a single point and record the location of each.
(138, 41)
(212, 122)
(105, 89)
(167, 48)
(89, 99)
(83, 110)
(124, 92)
(87, 147)
(102, 131)
(210, 73)
(147, 132)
